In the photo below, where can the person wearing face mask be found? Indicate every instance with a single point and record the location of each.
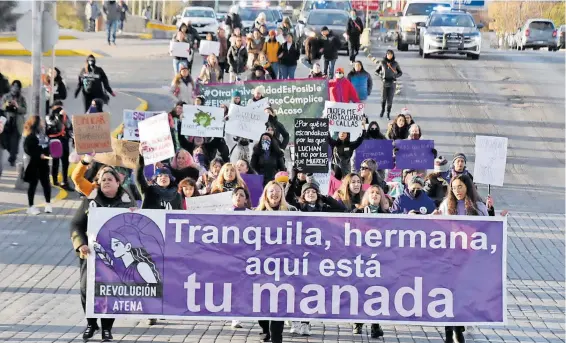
(267, 158)
(271, 51)
(458, 167)
(15, 109)
(315, 71)
(96, 106)
(93, 83)
(330, 45)
(414, 132)
(374, 132)
(354, 31)
(183, 86)
(361, 80)
(237, 59)
(414, 200)
(341, 89)
(389, 70)
(288, 56)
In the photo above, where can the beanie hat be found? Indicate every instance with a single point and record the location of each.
(340, 70)
(260, 90)
(307, 186)
(282, 177)
(163, 171)
(417, 179)
(405, 111)
(272, 33)
(459, 155)
(236, 93)
(440, 165)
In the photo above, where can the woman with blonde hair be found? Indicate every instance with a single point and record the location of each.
(350, 192)
(228, 179)
(211, 72)
(373, 201)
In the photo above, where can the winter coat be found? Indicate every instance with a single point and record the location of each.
(241, 150)
(271, 50)
(448, 175)
(312, 48)
(280, 133)
(96, 198)
(267, 165)
(324, 204)
(354, 30)
(209, 74)
(405, 203)
(342, 90)
(436, 188)
(342, 151)
(36, 145)
(112, 11)
(461, 208)
(183, 91)
(389, 71)
(156, 197)
(396, 132)
(330, 47)
(92, 81)
(237, 59)
(362, 83)
(16, 117)
(233, 20)
(289, 55)
(58, 125)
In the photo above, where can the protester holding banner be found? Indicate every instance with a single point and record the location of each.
(211, 71)
(228, 179)
(350, 193)
(361, 80)
(161, 194)
(183, 86)
(414, 200)
(458, 167)
(288, 56)
(398, 129)
(267, 158)
(343, 149)
(271, 51)
(107, 193)
(341, 89)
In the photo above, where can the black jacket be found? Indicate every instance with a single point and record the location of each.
(389, 70)
(180, 174)
(268, 165)
(233, 20)
(312, 48)
(156, 197)
(436, 187)
(92, 82)
(4, 85)
(324, 204)
(34, 148)
(330, 46)
(354, 32)
(60, 89)
(290, 55)
(237, 59)
(342, 151)
(280, 133)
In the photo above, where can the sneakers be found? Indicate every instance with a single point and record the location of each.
(295, 327)
(89, 332)
(357, 329)
(236, 324)
(376, 331)
(305, 329)
(151, 321)
(33, 211)
(107, 336)
(48, 208)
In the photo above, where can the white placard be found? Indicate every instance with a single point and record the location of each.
(131, 119)
(344, 117)
(219, 202)
(209, 47)
(246, 122)
(258, 105)
(202, 121)
(180, 49)
(323, 180)
(491, 159)
(155, 137)
(280, 39)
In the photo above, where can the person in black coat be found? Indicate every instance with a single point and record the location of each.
(93, 83)
(276, 129)
(36, 146)
(354, 30)
(267, 158)
(330, 47)
(389, 70)
(59, 88)
(162, 193)
(59, 127)
(288, 56)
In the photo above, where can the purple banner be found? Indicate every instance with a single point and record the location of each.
(255, 186)
(414, 154)
(299, 266)
(380, 150)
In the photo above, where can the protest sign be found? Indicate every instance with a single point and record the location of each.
(125, 154)
(299, 98)
(379, 150)
(311, 144)
(426, 271)
(218, 202)
(155, 137)
(179, 49)
(344, 117)
(491, 159)
(208, 47)
(255, 186)
(92, 133)
(259, 105)
(131, 120)
(245, 122)
(323, 180)
(414, 154)
(202, 121)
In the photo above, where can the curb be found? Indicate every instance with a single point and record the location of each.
(58, 52)
(15, 39)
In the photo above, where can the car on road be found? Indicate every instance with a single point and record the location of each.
(415, 12)
(248, 15)
(310, 5)
(335, 20)
(536, 34)
(203, 19)
(453, 32)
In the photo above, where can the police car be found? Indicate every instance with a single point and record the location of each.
(450, 32)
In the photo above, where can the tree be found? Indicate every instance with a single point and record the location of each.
(8, 18)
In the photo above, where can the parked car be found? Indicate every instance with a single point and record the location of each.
(277, 13)
(335, 20)
(536, 34)
(203, 19)
(416, 12)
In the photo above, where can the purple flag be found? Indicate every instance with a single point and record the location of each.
(255, 186)
(380, 150)
(149, 171)
(438, 270)
(414, 154)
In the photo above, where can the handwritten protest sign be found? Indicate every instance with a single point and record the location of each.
(259, 105)
(344, 117)
(346, 269)
(379, 150)
(219, 202)
(202, 121)
(155, 137)
(125, 154)
(208, 47)
(179, 49)
(246, 123)
(414, 154)
(311, 144)
(131, 120)
(255, 186)
(491, 159)
(92, 133)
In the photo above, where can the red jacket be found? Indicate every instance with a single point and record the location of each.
(342, 90)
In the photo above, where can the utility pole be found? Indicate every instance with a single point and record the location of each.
(36, 14)
(52, 93)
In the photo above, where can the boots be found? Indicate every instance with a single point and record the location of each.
(448, 334)
(452, 331)
(357, 329)
(382, 109)
(376, 331)
(389, 112)
(459, 332)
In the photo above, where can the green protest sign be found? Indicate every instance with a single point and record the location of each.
(301, 98)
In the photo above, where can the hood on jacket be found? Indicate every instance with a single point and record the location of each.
(385, 57)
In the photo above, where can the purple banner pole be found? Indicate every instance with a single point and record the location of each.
(435, 270)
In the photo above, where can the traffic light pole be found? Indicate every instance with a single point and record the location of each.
(36, 15)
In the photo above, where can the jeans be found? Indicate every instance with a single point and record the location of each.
(106, 323)
(275, 67)
(328, 68)
(177, 65)
(91, 25)
(354, 49)
(287, 72)
(111, 27)
(122, 24)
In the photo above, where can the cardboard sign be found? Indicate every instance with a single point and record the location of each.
(344, 117)
(131, 120)
(125, 154)
(92, 133)
(245, 122)
(202, 121)
(208, 47)
(491, 159)
(311, 144)
(180, 49)
(155, 137)
(414, 154)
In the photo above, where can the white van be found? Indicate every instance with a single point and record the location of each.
(415, 13)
